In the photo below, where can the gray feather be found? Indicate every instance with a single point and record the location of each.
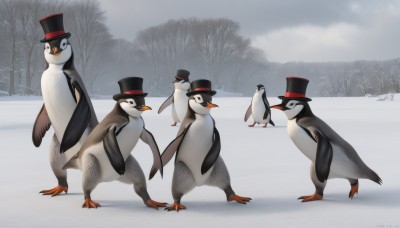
(166, 103)
(41, 126)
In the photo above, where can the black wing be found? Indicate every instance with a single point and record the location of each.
(40, 127)
(324, 157)
(148, 138)
(173, 147)
(166, 103)
(267, 108)
(248, 112)
(79, 121)
(113, 152)
(212, 154)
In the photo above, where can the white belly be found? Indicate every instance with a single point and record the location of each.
(258, 109)
(341, 166)
(59, 102)
(195, 146)
(127, 140)
(180, 103)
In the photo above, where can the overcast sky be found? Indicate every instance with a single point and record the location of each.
(296, 30)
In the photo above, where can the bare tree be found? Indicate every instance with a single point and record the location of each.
(29, 14)
(217, 41)
(88, 31)
(9, 10)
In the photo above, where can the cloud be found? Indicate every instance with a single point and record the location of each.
(374, 35)
(308, 43)
(288, 30)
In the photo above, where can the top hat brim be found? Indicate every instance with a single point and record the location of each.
(178, 80)
(124, 96)
(65, 35)
(192, 92)
(295, 98)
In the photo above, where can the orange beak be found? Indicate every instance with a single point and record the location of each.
(277, 107)
(211, 105)
(55, 50)
(144, 108)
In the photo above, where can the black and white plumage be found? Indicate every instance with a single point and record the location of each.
(67, 106)
(178, 99)
(259, 108)
(106, 154)
(330, 154)
(197, 146)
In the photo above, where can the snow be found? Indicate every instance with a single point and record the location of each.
(264, 164)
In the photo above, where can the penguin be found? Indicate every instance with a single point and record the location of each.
(67, 106)
(106, 154)
(259, 108)
(331, 156)
(178, 98)
(197, 146)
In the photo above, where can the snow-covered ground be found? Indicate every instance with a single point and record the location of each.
(264, 164)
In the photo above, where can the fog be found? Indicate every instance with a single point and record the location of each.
(232, 51)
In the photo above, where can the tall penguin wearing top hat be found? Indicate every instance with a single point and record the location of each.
(67, 106)
(178, 99)
(106, 154)
(197, 148)
(330, 154)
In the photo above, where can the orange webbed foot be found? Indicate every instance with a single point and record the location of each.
(353, 191)
(310, 198)
(239, 199)
(175, 207)
(55, 191)
(90, 204)
(155, 204)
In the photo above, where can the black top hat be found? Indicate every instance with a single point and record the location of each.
(295, 89)
(182, 74)
(200, 86)
(130, 87)
(53, 27)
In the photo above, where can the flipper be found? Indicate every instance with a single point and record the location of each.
(248, 112)
(79, 121)
(212, 154)
(173, 147)
(267, 108)
(148, 138)
(271, 122)
(41, 126)
(266, 113)
(166, 103)
(324, 157)
(113, 152)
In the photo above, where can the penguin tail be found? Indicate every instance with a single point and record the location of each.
(374, 177)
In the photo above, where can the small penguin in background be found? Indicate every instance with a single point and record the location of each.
(67, 106)
(178, 99)
(106, 154)
(259, 108)
(330, 154)
(197, 146)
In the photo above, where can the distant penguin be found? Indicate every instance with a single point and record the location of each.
(67, 106)
(197, 146)
(330, 154)
(178, 99)
(106, 154)
(259, 108)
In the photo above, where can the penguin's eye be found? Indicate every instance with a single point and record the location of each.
(131, 102)
(198, 99)
(47, 47)
(63, 44)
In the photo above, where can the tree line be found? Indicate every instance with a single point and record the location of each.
(208, 48)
